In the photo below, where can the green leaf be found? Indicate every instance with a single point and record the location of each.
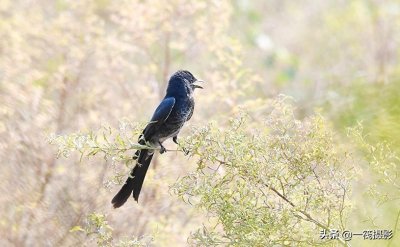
(76, 229)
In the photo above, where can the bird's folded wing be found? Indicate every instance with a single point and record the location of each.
(163, 110)
(159, 117)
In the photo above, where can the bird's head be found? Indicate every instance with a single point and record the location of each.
(183, 81)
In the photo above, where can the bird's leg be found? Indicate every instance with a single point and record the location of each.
(136, 155)
(162, 148)
(175, 139)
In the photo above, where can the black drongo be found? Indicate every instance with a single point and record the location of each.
(174, 110)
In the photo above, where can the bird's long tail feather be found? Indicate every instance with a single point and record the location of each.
(135, 180)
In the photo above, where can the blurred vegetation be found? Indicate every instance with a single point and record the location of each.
(91, 72)
(97, 226)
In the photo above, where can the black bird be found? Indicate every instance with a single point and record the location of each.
(174, 110)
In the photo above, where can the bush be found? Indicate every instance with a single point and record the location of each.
(277, 182)
(280, 182)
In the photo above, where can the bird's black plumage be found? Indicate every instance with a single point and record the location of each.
(174, 110)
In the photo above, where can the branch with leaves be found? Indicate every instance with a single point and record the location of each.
(277, 182)
(115, 144)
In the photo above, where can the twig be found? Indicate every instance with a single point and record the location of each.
(304, 213)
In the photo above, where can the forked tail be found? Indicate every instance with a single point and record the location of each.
(135, 180)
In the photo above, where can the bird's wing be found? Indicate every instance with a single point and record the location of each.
(163, 110)
(160, 116)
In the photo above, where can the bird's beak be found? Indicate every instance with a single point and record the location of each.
(197, 86)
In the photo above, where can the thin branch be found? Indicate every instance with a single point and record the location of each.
(304, 213)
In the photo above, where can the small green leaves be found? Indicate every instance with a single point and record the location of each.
(76, 229)
(112, 144)
(260, 184)
(98, 228)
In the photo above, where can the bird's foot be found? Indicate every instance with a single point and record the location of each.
(136, 155)
(185, 151)
(162, 149)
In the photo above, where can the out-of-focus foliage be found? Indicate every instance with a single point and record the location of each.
(97, 228)
(69, 66)
(377, 106)
(383, 162)
(74, 66)
(378, 191)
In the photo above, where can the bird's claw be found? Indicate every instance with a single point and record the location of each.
(185, 151)
(162, 149)
(136, 155)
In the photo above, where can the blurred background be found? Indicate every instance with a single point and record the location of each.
(72, 66)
